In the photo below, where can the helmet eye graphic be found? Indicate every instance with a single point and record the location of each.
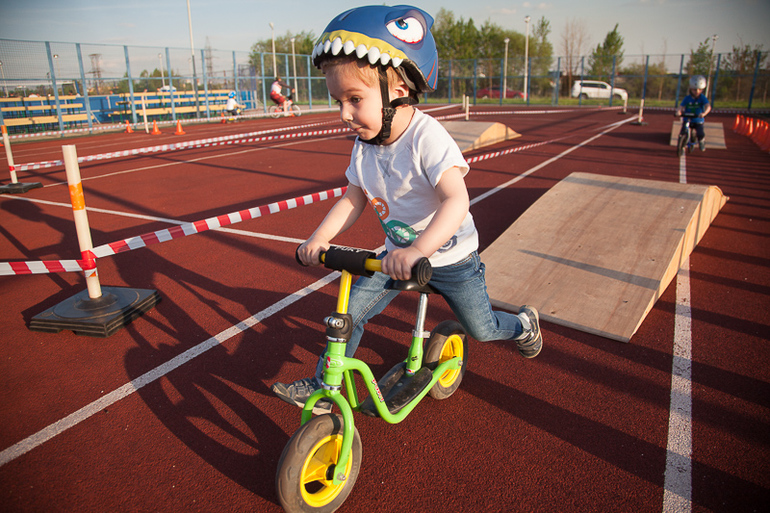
(408, 30)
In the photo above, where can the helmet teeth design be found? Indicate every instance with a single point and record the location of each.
(389, 36)
(336, 46)
(374, 55)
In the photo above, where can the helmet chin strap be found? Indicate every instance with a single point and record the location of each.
(387, 112)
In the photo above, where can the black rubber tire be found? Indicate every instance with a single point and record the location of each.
(681, 143)
(446, 341)
(302, 481)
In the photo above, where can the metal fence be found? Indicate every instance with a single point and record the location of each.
(99, 73)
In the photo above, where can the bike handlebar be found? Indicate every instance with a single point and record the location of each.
(362, 262)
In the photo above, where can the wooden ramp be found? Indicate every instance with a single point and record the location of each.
(715, 135)
(596, 252)
(471, 135)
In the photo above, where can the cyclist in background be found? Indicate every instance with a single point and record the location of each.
(696, 107)
(276, 93)
(233, 107)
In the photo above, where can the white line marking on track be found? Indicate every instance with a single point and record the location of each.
(529, 171)
(158, 372)
(87, 411)
(677, 487)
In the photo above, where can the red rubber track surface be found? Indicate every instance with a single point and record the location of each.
(583, 427)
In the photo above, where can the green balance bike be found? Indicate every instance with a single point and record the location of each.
(320, 464)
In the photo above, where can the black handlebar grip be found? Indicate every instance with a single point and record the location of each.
(422, 271)
(349, 259)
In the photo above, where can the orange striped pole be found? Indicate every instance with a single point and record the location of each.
(9, 155)
(81, 220)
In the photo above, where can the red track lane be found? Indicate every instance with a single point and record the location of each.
(583, 427)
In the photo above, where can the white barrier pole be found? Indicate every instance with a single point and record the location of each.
(467, 107)
(9, 155)
(144, 115)
(81, 218)
(641, 110)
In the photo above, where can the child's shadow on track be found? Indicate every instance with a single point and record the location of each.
(209, 400)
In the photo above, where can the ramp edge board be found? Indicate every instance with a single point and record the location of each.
(472, 135)
(595, 252)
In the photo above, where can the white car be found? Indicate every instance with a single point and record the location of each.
(594, 89)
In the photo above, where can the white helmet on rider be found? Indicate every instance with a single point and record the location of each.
(698, 82)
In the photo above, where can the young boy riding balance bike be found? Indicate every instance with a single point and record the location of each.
(407, 167)
(695, 108)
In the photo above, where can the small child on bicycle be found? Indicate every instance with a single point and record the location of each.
(276, 92)
(233, 107)
(407, 167)
(696, 107)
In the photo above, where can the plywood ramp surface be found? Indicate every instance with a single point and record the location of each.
(471, 135)
(595, 252)
(715, 135)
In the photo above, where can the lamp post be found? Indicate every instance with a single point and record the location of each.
(505, 69)
(58, 75)
(162, 79)
(526, 60)
(294, 64)
(5, 88)
(272, 36)
(711, 63)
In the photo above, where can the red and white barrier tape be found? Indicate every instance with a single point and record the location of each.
(183, 230)
(147, 239)
(495, 154)
(216, 141)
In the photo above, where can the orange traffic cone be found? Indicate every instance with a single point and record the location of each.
(129, 130)
(155, 130)
(224, 119)
(179, 130)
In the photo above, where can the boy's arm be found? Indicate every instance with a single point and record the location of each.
(448, 217)
(341, 217)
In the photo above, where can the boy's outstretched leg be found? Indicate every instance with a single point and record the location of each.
(530, 342)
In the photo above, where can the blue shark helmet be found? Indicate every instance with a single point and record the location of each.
(231, 94)
(397, 36)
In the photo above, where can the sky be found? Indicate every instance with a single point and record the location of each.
(647, 26)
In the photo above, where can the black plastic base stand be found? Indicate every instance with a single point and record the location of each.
(18, 187)
(99, 317)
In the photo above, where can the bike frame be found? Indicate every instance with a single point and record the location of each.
(340, 369)
(689, 131)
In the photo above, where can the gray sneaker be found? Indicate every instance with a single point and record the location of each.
(531, 342)
(298, 392)
(702, 145)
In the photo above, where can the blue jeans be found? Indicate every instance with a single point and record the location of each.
(463, 287)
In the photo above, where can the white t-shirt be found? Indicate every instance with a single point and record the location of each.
(400, 180)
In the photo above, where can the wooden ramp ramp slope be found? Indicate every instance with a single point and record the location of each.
(471, 135)
(596, 252)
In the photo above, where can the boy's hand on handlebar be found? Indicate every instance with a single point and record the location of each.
(309, 252)
(398, 263)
